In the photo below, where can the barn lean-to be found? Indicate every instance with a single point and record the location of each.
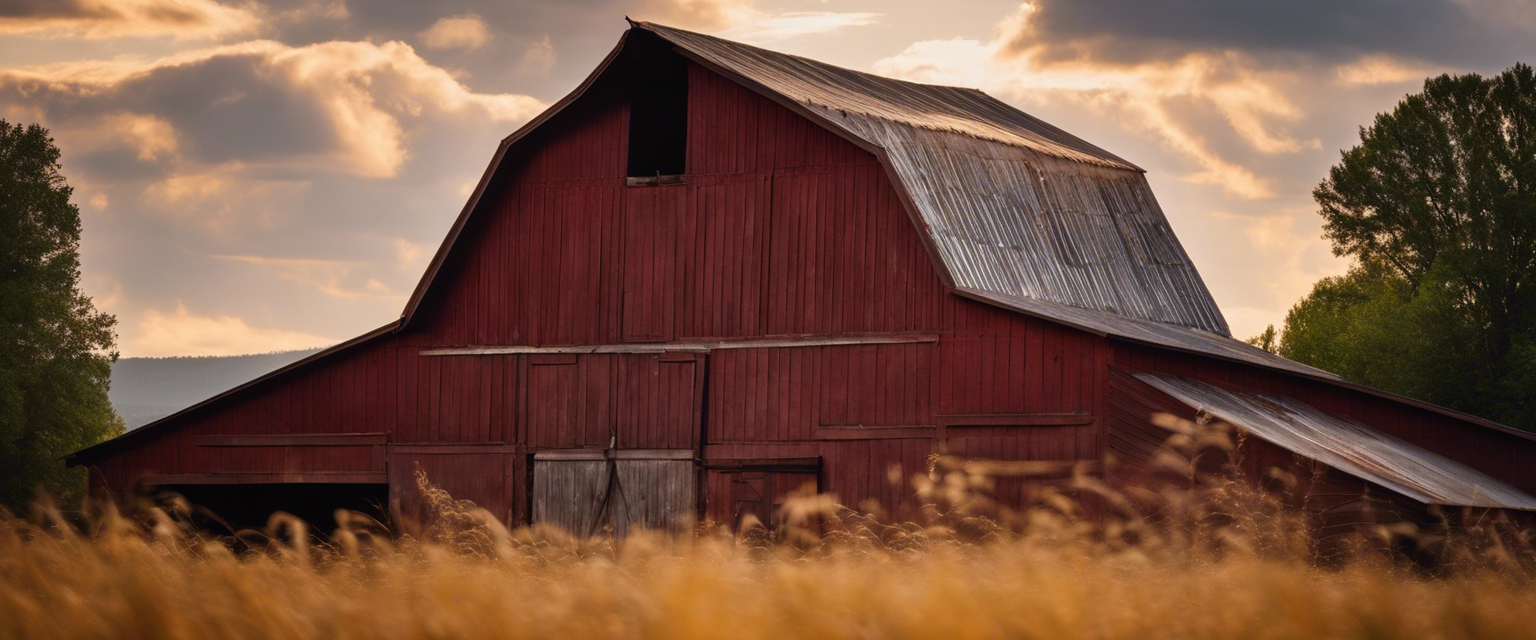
(715, 273)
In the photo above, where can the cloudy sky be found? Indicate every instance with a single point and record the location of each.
(259, 175)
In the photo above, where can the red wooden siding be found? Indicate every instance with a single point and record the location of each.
(821, 244)
(733, 130)
(660, 399)
(569, 400)
(651, 256)
(491, 477)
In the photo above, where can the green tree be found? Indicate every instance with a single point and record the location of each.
(1438, 206)
(55, 347)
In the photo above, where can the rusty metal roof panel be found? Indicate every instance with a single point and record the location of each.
(1346, 445)
(1013, 205)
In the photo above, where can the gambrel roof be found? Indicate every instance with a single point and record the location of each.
(1009, 204)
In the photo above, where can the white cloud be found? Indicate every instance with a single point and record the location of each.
(365, 96)
(466, 31)
(225, 199)
(539, 57)
(334, 278)
(409, 255)
(1147, 98)
(101, 19)
(1381, 69)
(742, 20)
(183, 333)
(765, 28)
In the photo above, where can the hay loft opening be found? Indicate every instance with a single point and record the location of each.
(658, 119)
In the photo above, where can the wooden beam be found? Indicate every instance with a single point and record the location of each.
(696, 347)
(454, 448)
(1015, 420)
(859, 432)
(310, 477)
(811, 463)
(616, 454)
(293, 440)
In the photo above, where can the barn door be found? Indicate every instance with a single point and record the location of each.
(761, 492)
(592, 492)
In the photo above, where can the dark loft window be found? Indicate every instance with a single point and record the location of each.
(658, 121)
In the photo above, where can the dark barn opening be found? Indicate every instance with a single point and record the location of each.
(249, 506)
(658, 119)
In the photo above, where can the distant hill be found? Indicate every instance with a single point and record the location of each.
(147, 389)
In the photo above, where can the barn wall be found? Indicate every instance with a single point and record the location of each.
(1501, 455)
(802, 235)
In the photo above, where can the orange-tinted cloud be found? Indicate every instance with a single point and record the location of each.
(333, 106)
(180, 332)
(466, 31)
(98, 19)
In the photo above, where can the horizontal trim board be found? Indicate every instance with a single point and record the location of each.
(294, 440)
(652, 181)
(616, 454)
(674, 347)
(453, 448)
(840, 432)
(810, 464)
(992, 467)
(1015, 419)
(314, 477)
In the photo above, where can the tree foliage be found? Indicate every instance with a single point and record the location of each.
(1438, 206)
(55, 347)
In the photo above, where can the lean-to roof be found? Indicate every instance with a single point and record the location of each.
(1346, 445)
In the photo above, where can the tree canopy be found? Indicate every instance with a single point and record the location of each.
(55, 347)
(1437, 204)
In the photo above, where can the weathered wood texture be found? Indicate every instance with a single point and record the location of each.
(806, 236)
(592, 494)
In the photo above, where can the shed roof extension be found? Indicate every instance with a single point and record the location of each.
(1348, 446)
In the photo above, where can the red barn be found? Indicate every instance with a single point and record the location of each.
(714, 273)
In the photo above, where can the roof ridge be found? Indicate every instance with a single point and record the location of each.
(652, 26)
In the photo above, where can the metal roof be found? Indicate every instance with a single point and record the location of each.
(1011, 204)
(1346, 445)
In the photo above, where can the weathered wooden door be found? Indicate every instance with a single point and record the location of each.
(640, 472)
(588, 492)
(761, 492)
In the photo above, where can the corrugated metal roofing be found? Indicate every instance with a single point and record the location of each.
(1346, 445)
(1013, 205)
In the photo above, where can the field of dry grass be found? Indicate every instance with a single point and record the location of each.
(1203, 560)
